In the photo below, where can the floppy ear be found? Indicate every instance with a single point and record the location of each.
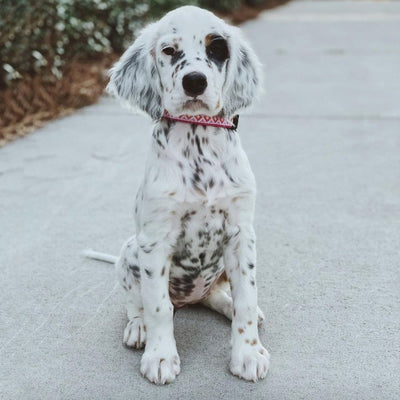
(243, 74)
(135, 79)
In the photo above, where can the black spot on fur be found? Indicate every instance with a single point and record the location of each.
(135, 270)
(178, 55)
(199, 149)
(182, 64)
(148, 273)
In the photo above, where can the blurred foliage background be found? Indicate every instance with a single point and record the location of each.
(53, 53)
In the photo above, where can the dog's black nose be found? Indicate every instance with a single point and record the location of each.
(194, 83)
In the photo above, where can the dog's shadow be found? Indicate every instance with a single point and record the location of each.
(198, 328)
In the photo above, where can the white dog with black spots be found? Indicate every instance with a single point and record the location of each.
(194, 240)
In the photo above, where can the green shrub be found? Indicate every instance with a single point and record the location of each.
(222, 5)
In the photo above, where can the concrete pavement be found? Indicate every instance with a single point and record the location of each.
(324, 143)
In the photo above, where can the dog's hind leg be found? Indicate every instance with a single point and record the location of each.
(219, 299)
(129, 278)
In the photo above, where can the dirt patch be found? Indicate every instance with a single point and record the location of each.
(25, 106)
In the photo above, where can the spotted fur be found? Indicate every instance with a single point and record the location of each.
(194, 208)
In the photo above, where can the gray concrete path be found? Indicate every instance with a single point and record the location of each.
(324, 143)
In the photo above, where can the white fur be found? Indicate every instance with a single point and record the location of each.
(194, 209)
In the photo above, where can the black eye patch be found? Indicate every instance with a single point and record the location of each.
(217, 48)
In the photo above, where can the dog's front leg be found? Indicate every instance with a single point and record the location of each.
(249, 360)
(160, 362)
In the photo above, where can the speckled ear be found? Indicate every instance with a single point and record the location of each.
(135, 79)
(243, 74)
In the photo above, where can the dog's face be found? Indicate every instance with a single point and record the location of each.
(192, 67)
(189, 62)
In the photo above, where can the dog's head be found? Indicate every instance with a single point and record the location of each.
(189, 62)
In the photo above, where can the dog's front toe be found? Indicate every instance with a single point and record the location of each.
(250, 364)
(160, 369)
(135, 333)
(261, 316)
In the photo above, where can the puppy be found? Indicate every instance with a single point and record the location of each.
(194, 242)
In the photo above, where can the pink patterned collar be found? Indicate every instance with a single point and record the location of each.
(204, 120)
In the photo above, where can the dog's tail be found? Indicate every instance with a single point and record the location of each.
(95, 255)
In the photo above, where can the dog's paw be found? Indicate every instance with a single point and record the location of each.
(250, 362)
(135, 333)
(261, 316)
(160, 369)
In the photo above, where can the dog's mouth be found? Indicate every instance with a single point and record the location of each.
(195, 105)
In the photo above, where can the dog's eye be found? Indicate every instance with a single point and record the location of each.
(169, 51)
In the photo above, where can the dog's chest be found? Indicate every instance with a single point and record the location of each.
(201, 173)
(196, 163)
(197, 254)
